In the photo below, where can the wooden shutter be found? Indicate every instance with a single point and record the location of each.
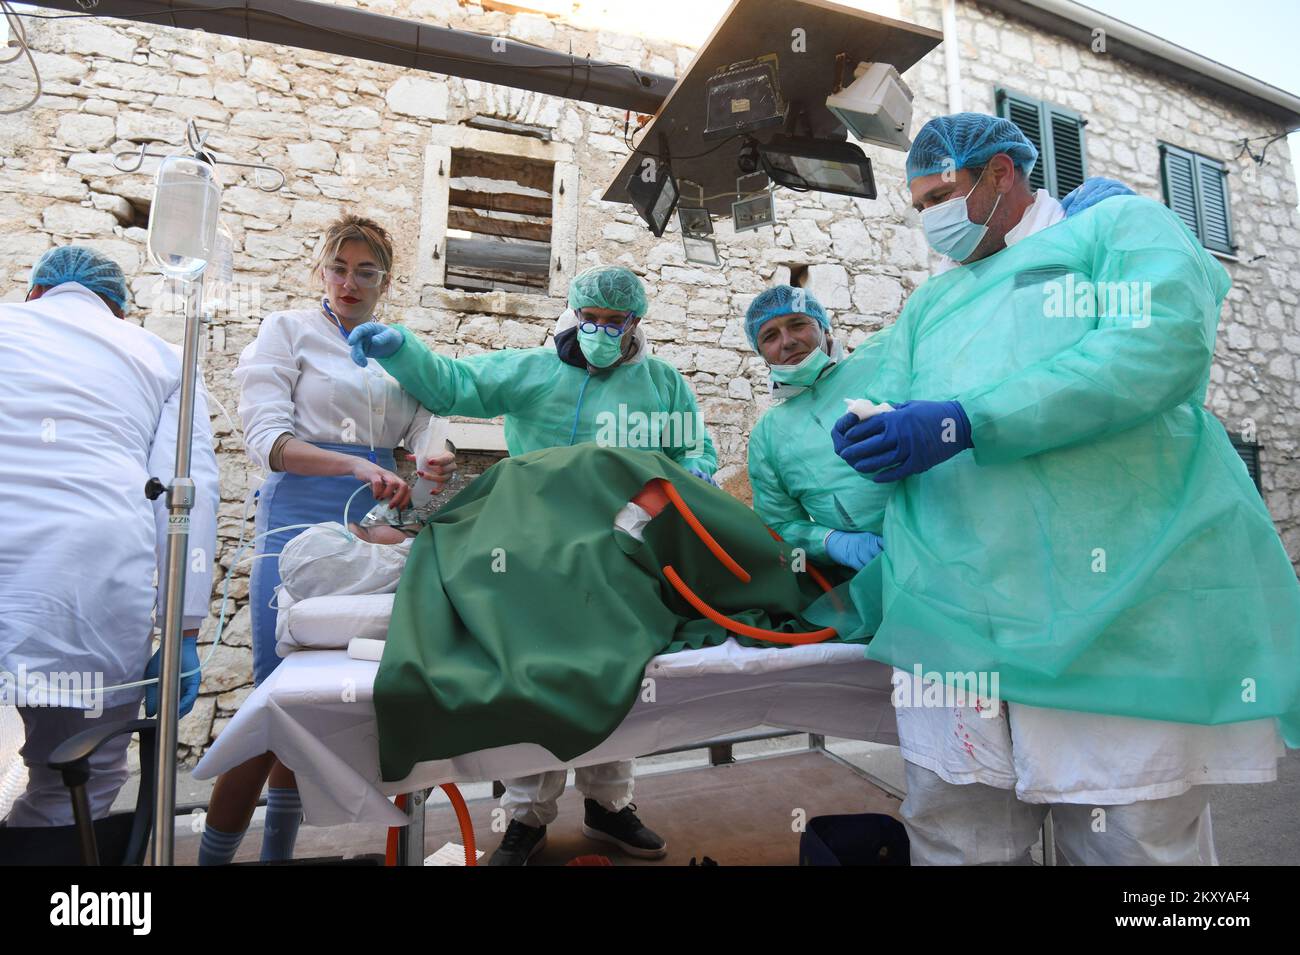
(1178, 174)
(1068, 167)
(1196, 188)
(1056, 133)
(1249, 451)
(1028, 115)
(1212, 185)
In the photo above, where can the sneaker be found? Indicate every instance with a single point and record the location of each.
(623, 829)
(520, 843)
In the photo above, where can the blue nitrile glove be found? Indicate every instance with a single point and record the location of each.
(853, 549)
(703, 476)
(189, 680)
(1091, 192)
(373, 340)
(912, 438)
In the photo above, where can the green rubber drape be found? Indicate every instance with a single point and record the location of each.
(524, 616)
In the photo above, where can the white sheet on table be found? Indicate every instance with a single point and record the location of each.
(316, 713)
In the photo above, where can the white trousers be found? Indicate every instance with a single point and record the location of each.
(977, 824)
(531, 799)
(46, 801)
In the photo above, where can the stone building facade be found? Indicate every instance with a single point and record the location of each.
(366, 137)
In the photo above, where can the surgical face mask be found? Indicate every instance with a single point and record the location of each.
(948, 227)
(600, 350)
(805, 372)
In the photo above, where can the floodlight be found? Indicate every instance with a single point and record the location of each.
(743, 97)
(701, 251)
(818, 165)
(876, 107)
(653, 192)
(753, 213)
(694, 222)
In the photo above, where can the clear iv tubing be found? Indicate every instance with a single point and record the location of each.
(225, 592)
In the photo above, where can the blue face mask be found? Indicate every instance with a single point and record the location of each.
(600, 350)
(949, 230)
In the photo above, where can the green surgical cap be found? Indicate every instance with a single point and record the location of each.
(608, 286)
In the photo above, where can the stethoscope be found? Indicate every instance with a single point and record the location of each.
(365, 376)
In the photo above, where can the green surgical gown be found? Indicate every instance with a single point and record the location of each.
(802, 488)
(1102, 547)
(647, 405)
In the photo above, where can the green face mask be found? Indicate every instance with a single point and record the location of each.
(805, 372)
(601, 350)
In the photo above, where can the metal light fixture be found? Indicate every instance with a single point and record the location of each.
(695, 223)
(876, 107)
(744, 97)
(654, 194)
(753, 213)
(818, 165)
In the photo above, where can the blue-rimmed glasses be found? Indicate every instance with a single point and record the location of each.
(613, 331)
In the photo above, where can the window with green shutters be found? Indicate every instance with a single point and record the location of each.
(1249, 451)
(1196, 188)
(1057, 134)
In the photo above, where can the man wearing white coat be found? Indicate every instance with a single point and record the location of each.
(88, 412)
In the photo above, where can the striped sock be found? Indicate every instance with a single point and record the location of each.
(283, 815)
(219, 848)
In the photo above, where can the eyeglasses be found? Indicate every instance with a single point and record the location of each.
(613, 331)
(365, 278)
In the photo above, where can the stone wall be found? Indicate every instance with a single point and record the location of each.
(352, 135)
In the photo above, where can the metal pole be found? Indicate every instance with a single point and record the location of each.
(180, 499)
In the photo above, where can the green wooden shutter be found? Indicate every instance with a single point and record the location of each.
(1068, 166)
(1178, 176)
(1249, 451)
(1056, 133)
(1216, 224)
(1028, 115)
(1196, 189)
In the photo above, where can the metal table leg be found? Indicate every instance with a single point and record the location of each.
(410, 847)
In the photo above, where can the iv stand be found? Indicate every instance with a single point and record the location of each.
(180, 500)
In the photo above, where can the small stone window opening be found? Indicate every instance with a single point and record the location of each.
(499, 221)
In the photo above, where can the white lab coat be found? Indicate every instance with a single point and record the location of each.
(298, 376)
(88, 412)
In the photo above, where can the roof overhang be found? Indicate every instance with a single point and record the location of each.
(1077, 22)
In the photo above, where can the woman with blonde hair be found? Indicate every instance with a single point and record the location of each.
(322, 427)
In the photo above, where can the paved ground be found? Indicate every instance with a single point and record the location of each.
(697, 808)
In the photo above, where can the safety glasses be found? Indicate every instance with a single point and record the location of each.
(363, 277)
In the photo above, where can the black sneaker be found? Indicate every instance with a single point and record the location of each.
(520, 843)
(623, 829)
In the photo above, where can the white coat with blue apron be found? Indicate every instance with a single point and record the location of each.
(298, 377)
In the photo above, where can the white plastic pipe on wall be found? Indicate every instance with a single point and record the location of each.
(952, 55)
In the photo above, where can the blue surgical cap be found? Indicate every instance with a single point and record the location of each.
(963, 140)
(608, 286)
(76, 263)
(782, 300)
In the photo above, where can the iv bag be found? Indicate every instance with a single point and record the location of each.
(183, 217)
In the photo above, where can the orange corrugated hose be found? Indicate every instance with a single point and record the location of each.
(462, 817)
(656, 494)
(744, 629)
